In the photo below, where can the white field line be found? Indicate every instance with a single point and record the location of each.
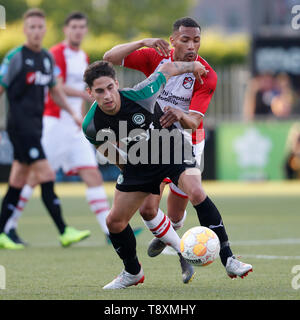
(170, 251)
(90, 243)
(269, 257)
(265, 242)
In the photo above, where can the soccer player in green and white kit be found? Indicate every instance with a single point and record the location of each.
(26, 73)
(137, 109)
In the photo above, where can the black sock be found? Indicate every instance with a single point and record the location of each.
(125, 246)
(8, 205)
(209, 216)
(52, 204)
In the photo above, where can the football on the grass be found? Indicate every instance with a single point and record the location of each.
(200, 246)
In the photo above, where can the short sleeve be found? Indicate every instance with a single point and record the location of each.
(145, 60)
(146, 92)
(59, 60)
(203, 94)
(54, 72)
(10, 67)
(88, 125)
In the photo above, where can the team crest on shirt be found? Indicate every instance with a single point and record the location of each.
(120, 179)
(138, 118)
(47, 64)
(34, 153)
(187, 82)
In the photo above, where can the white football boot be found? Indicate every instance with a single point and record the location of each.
(126, 279)
(235, 268)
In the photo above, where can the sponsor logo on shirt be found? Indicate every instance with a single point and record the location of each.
(47, 64)
(168, 97)
(120, 179)
(38, 78)
(29, 62)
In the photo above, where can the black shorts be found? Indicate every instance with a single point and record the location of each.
(148, 178)
(27, 146)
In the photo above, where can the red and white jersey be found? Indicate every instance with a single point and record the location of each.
(70, 66)
(183, 91)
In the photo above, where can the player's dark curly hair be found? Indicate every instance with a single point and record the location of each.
(185, 22)
(98, 69)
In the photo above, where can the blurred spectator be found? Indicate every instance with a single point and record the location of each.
(270, 96)
(283, 104)
(259, 94)
(292, 164)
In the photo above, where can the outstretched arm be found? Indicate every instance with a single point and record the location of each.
(119, 52)
(59, 98)
(72, 92)
(187, 120)
(171, 69)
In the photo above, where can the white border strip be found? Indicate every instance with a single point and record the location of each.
(195, 111)
(265, 242)
(268, 257)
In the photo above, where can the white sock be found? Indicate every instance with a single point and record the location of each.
(162, 229)
(97, 199)
(179, 224)
(25, 195)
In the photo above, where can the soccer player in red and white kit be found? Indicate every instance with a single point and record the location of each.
(184, 101)
(65, 145)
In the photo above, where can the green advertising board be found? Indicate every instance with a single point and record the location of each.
(253, 151)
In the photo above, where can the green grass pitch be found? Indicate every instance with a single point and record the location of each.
(263, 228)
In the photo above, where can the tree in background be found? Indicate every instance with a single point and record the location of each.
(117, 21)
(127, 18)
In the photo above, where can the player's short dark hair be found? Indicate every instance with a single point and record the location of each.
(185, 22)
(34, 12)
(98, 69)
(76, 15)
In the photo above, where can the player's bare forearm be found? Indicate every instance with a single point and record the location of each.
(176, 68)
(59, 98)
(116, 54)
(191, 121)
(119, 52)
(187, 121)
(171, 69)
(72, 92)
(2, 89)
